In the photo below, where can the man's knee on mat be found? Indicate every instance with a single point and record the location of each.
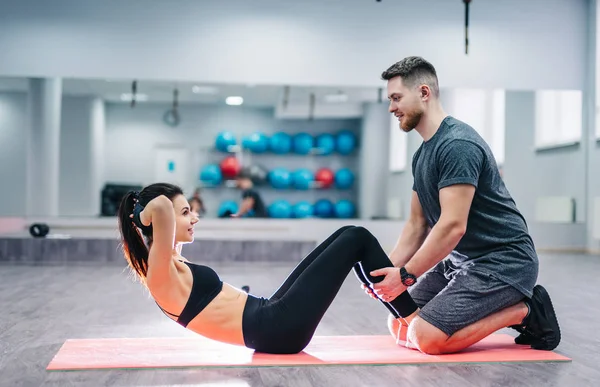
(426, 337)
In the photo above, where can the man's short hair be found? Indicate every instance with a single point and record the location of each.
(414, 71)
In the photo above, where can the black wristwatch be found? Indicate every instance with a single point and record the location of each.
(407, 278)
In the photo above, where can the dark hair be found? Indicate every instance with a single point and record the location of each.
(135, 249)
(244, 173)
(414, 71)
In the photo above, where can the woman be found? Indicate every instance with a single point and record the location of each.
(195, 297)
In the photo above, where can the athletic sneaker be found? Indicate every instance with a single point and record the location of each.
(525, 338)
(540, 328)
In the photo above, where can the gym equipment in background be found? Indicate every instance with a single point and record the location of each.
(280, 143)
(345, 142)
(324, 208)
(344, 178)
(325, 144)
(286, 177)
(230, 166)
(111, 197)
(280, 178)
(302, 143)
(211, 174)
(302, 178)
(227, 208)
(324, 177)
(280, 209)
(39, 230)
(302, 209)
(224, 140)
(344, 209)
(256, 142)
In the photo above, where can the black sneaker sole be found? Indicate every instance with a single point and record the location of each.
(548, 342)
(524, 339)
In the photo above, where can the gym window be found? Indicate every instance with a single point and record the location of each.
(485, 111)
(558, 118)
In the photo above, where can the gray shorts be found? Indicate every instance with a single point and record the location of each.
(452, 299)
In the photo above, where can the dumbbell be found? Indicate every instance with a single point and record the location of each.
(39, 230)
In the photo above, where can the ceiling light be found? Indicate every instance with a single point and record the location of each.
(234, 100)
(204, 90)
(138, 97)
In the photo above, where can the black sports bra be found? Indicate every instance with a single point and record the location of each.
(205, 287)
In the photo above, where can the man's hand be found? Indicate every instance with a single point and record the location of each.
(391, 286)
(369, 291)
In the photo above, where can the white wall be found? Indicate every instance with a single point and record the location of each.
(592, 118)
(514, 44)
(531, 174)
(13, 153)
(400, 183)
(374, 164)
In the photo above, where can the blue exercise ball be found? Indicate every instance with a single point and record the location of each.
(227, 208)
(280, 178)
(280, 209)
(211, 174)
(324, 208)
(344, 178)
(302, 209)
(345, 142)
(256, 142)
(280, 143)
(344, 209)
(302, 143)
(325, 143)
(224, 140)
(302, 178)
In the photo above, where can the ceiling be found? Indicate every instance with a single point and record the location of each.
(112, 90)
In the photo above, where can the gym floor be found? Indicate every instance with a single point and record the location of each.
(42, 306)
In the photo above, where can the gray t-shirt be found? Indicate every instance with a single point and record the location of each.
(497, 241)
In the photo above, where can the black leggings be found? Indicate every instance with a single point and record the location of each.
(285, 322)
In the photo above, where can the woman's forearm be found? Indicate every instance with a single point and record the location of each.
(155, 208)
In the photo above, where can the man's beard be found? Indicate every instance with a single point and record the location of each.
(411, 120)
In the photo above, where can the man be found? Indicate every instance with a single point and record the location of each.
(197, 204)
(252, 204)
(465, 254)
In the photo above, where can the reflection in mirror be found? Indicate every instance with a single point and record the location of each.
(327, 152)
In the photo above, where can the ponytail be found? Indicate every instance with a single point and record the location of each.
(134, 248)
(132, 238)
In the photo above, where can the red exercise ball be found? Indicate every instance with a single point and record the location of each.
(230, 166)
(325, 177)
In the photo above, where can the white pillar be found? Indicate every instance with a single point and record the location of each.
(43, 146)
(97, 131)
(589, 134)
(374, 161)
(81, 156)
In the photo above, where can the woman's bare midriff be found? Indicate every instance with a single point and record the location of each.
(220, 320)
